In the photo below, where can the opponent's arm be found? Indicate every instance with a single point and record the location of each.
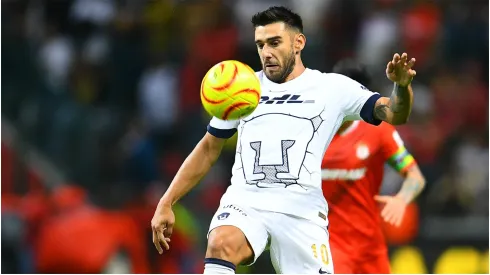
(194, 168)
(412, 186)
(396, 109)
(404, 163)
(395, 206)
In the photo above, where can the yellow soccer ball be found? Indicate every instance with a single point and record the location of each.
(230, 90)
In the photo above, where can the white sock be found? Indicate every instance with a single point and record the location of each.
(218, 266)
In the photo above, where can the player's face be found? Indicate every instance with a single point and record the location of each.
(275, 44)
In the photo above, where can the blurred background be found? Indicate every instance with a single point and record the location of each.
(100, 107)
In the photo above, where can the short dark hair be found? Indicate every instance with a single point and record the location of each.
(353, 69)
(278, 14)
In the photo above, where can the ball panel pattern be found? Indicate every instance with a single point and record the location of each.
(230, 90)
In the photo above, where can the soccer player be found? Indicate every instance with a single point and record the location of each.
(275, 199)
(352, 172)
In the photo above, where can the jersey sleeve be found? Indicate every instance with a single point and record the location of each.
(394, 151)
(222, 128)
(357, 101)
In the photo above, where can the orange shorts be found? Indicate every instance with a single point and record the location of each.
(346, 263)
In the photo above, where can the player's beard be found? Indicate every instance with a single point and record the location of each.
(281, 75)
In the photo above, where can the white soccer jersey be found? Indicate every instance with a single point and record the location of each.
(281, 144)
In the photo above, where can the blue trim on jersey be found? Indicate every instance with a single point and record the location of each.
(219, 262)
(221, 133)
(367, 111)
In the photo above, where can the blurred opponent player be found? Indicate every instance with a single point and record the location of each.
(352, 172)
(275, 199)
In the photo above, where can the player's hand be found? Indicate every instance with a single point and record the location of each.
(393, 210)
(162, 226)
(399, 70)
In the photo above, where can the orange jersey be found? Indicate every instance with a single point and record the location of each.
(352, 172)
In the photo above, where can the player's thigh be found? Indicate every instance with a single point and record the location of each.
(236, 232)
(299, 246)
(378, 264)
(344, 260)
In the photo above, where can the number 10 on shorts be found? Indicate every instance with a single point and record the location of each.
(323, 253)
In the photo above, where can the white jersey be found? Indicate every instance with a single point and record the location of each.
(281, 144)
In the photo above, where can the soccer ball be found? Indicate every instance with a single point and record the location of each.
(230, 90)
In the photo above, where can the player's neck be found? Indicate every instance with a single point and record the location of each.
(344, 127)
(299, 68)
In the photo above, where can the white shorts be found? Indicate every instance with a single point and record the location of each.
(296, 245)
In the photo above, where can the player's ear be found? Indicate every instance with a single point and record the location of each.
(299, 43)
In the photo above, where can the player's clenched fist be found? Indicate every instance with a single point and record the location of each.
(399, 70)
(162, 225)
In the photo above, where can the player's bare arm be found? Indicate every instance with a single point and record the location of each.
(194, 168)
(395, 206)
(396, 109)
(412, 186)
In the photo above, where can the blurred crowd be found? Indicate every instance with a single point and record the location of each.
(107, 92)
